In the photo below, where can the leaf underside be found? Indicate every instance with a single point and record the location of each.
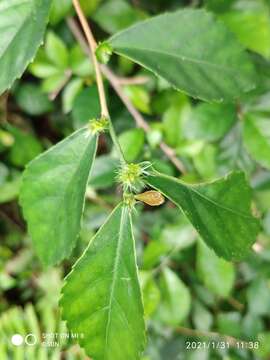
(192, 51)
(101, 296)
(22, 26)
(220, 211)
(53, 192)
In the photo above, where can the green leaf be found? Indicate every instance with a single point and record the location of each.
(172, 120)
(89, 6)
(257, 138)
(139, 96)
(210, 122)
(86, 106)
(230, 323)
(175, 299)
(201, 317)
(104, 172)
(115, 15)
(54, 82)
(42, 66)
(258, 296)
(9, 190)
(220, 211)
(217, 274)
(219, 5)
(56, 50)
(252, 28)
(32, 100)
(206, 156)
(59, 9)
(192, 51)
(101, 296)
(52, 194)
(25, 147)
(252, 324)
(70, 92)
(80, 63)
(132, 142)
(231, 153)
(153, 253)
(150, 292)
(23, 24)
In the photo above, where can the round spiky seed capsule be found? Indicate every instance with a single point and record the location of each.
(151, 197)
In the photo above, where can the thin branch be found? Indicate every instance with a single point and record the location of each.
(101, 91)
(135, 80)
(3, 107)
(92, 45)
(114, 81)
(76, 31)
(236, 304)
(12, 221)
(53, 95)
(93, 197)
(232, 341)
(169, 152)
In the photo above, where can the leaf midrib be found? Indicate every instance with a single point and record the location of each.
(115, 274)
(223, 207)
(191, 189)
(182, 58)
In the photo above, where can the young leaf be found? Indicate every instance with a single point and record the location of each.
(132, 142)
(210, 122)
(175, 299)
(56, 50)
(52, 194)
(115, 15)
(220, 211)
(32, 100)
(104, 172)
(217, 274)
(251, 28)
(101, 296)
(192, 51)
(257, 138)
(23, 24)
(150, 292)
(25, 147)
(85, 106)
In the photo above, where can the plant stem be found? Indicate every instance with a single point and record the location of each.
(55, 93)
(92, 45)
(169, 152)
(101, 91)
(116, 85)
(3, 107)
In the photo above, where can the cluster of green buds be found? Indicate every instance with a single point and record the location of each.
(97, 126)
(131, 176)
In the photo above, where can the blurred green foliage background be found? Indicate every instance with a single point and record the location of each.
(198, 296)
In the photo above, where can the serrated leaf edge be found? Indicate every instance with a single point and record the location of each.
(83, 254)
(24, 176)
